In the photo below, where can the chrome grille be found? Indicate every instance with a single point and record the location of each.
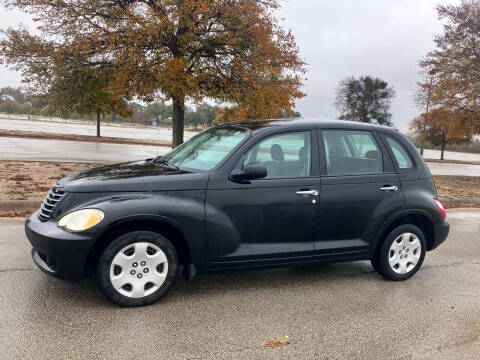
(51, 200)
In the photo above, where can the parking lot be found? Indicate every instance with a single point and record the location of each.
(332, 311)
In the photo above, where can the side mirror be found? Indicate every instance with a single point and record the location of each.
(249, 172)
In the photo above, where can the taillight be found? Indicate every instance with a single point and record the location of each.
(440, 208)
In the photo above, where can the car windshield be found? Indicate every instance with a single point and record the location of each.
(206, 150)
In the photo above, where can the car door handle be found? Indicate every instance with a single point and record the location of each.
(308, 192)
(389, 188)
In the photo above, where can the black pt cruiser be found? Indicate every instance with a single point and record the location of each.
(242, 196)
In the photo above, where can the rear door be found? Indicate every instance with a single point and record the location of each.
(359, 190)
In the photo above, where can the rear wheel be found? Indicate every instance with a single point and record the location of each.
(137, 268)
(402, 253)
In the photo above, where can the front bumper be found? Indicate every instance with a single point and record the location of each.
(58, 252)
(441, 233)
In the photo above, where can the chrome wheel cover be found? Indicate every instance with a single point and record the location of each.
(404, 253)
(138, 270)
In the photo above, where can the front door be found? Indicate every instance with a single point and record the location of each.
(270, 220)
(359, 190)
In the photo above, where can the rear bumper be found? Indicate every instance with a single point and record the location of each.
(441, 233)
(58, 252)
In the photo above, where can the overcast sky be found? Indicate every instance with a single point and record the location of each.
(382, 38)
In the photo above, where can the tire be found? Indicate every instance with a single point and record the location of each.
(375, 263)
(402, 253)
(137, 268)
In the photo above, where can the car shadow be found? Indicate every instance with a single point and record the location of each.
(86, 293)
(304, 275)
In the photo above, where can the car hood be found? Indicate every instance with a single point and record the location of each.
(142, 176)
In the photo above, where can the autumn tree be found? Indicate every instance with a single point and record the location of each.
(65, 82)
(82, 90)
(441, 127)
(365, 99)
(452, 69)
(173, 49)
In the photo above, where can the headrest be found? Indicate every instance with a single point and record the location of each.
(372, 154)
(302, 153)
(276, 152)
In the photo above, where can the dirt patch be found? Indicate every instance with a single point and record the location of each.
(457, 187)
(86, 138)
(31, 180)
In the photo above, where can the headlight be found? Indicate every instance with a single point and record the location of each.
(81, 220)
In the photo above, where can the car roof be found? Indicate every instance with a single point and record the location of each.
(259, 125)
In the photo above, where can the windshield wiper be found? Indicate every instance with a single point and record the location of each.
(164, 162)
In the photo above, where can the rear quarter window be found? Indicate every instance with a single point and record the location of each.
(401, 155)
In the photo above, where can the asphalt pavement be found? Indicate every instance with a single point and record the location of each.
(59, 150)
(333, 311)
(160, 133)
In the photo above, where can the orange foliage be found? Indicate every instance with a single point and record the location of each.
(452, 70)
(442, 127)
(229, 50)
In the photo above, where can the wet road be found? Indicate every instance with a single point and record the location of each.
(149, 133)
(160, 133)
(333, 311)
(37, 149)
(451, 155)
(453, 169)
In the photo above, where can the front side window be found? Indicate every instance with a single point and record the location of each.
(206, 150)
(284, 156)
(352, 153)
(400, 153)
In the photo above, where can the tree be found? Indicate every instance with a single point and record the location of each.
(142, 117)
(161, 111)
(173, 49)
(206, 114)
(10, 107)
(240, 113)
(62, 80)
(15, 94)
(365, 99)
(441, 127)
(75, 88)
(454, 65)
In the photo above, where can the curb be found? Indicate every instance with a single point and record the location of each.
(19, 205)
(460, 202)
(33, 205)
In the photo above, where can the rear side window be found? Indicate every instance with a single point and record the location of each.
(400, 153)
(352, 153)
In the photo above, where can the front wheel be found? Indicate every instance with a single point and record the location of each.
(402, 253)
(137, 268)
